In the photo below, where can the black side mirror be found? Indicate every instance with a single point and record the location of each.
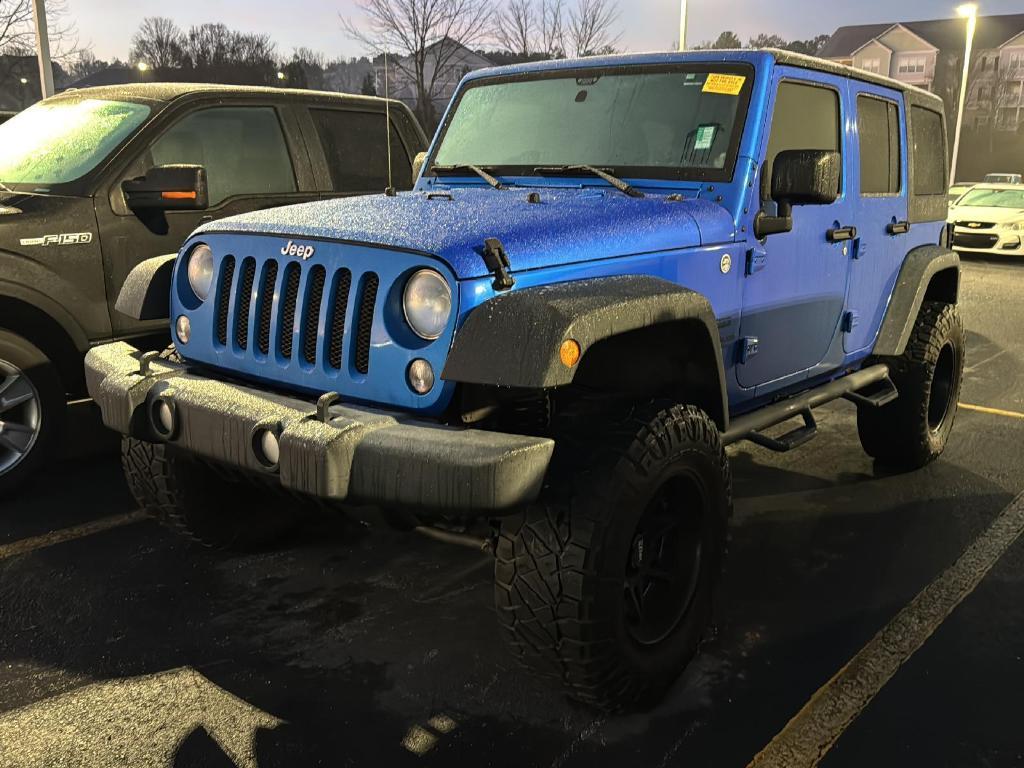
(800, 177)
(168, 188)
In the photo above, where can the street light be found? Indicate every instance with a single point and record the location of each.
(281, 75)
(682, 25)
(967, 11)
(142, 66)
(24, 81)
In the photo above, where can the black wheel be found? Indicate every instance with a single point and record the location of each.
(32, 404)
(194, 498)
(609, 591)
(913, 430)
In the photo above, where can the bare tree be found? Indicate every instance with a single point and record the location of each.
(589, 30)
(551, 35)
(158, 42)
(18, 36)
(515, 27)
(422, 38)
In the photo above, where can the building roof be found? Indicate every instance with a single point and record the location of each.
(944, 34)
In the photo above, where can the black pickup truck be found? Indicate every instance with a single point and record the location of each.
(94, 181)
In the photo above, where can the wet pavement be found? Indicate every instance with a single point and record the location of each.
(360, 646)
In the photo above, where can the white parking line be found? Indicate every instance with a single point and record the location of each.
(808, 737)
(69, 534)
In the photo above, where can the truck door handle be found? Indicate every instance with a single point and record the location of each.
(839, 234)
(898, 227)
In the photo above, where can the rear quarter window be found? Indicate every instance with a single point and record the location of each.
(356, 149)
(929, 148)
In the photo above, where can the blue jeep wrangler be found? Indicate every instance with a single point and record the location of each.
(609, 270)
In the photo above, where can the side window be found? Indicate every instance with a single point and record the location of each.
(242, 148)
(806, 117)
(929, 152)
(357, 153)
(878, 131)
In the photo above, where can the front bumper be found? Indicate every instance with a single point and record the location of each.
(353, 454)
(989, 241)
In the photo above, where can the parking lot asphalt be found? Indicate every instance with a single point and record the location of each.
(122, 644)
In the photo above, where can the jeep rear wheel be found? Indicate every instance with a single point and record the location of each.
(913, 430)
(193, 498)
(609, 591)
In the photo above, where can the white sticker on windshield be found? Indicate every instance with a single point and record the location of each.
(705, 137)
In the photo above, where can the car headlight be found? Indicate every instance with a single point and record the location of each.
(427, 303)
(200, 270)
(1014, 226)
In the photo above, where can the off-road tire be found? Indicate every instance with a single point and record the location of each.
(913, 430)
(212, 507)
(561, 567)
(41, 372)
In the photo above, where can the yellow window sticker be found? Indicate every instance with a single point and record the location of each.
(727, 85)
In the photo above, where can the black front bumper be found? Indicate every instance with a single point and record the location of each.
(351, 454)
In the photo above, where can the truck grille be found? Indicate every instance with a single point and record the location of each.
(247, 306)
(970, 240)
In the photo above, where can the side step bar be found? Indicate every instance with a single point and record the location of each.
(870, 386)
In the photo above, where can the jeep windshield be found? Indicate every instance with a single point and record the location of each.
(681, 123)
(58, 142)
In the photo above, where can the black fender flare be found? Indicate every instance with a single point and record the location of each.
(146, 293)
(513, 340)
(912, 288)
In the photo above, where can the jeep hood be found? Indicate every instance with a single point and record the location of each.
(566, 226)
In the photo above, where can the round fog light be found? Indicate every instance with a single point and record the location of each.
(421, 376)
(184, 328)
(270, 448)
(163, 417)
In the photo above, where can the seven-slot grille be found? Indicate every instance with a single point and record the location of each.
(245, 305)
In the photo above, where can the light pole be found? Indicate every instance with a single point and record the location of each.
(682, 25)
(968, 11)
(43, 48)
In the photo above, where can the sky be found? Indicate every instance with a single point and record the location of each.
(646, 24)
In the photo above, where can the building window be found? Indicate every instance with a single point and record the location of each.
(910, 65)
(1015, 61)
(871, 65)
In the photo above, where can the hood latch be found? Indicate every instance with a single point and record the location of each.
(496, 260)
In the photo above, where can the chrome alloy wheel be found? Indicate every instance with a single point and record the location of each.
(21, 416)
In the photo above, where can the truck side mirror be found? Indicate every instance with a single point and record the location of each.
(417, 165)
(168, 188)
(799, 177)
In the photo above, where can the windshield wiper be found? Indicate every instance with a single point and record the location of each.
(482, 173)
(616, 182)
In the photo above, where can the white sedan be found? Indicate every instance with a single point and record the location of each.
(989, 218)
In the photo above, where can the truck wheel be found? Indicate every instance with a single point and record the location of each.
(32, 404)
(912, 431)
(609, 591)
(191, 497)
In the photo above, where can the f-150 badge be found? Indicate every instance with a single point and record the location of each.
(68, 238)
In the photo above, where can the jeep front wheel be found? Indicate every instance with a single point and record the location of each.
(214, 509)
(912, 431)
(609, 591)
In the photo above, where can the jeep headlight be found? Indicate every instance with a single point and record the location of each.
(200, 270)
(427, 304)
(1014, 226)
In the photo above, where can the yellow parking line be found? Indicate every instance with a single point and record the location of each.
(992, 411)
(69, 534)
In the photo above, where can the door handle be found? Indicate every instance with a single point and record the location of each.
(839, 234)
(898, 227)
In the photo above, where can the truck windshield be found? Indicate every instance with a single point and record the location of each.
(683, 123)
(58, 142)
